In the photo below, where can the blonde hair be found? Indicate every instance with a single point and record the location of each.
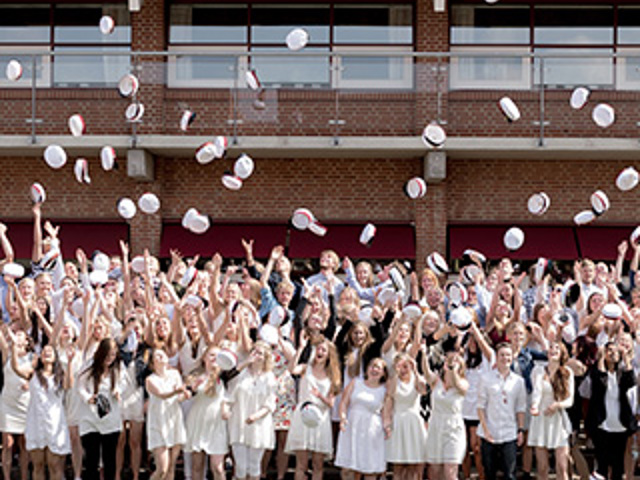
(428, 273)
(268, 354)
(335, 259)
(353, 361)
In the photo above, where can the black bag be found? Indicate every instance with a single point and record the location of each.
(103, 405)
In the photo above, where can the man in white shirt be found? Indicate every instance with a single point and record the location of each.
(502, 401)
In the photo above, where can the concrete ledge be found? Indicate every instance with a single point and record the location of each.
(347, 147)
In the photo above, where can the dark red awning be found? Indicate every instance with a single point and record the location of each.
(224, 238)
(601, 243)
(89, 236)
(557, 242)
(391, 241)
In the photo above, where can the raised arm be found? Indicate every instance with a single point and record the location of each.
(430, 376)
(87, 320)
(622, 252)
(126, 276)
(23, 371)
(244, 335)
(5, 339)
(176, 260)
(216, 303)
(219, 334)
(295, 366)
(248, 252)
(417, 337)
(36, 253)
(276, 253)
(484, 346)
(7, 248)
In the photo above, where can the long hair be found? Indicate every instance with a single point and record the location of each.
(38, 336)
(354, 358)
(332, 364)
(99, 367)
(213, 377)
(370, 280)
(58, 372)
(268, 354)
(560, 378)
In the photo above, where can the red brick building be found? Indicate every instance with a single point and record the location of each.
(340, 133)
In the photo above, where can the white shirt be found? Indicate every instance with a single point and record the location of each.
(612, 405)
(89, 420)
(501, 398)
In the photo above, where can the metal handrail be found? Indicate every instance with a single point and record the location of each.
(476, 52)
(537, 60)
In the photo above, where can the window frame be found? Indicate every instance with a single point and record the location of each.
(335, 77)
(455, 83)
(174, 82)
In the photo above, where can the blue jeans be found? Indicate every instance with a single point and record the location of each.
(501, 455)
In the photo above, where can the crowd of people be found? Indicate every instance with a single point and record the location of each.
(425, 373)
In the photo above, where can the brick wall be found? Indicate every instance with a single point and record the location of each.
(497, 190)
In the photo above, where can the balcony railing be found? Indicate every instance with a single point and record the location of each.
(360, 92)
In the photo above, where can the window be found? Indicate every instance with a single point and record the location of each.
(46, 27)
(260, 29)
(491, 72)
(24, 25)
(373, 24)
(205, 24)
(584, 39)
(575, 25)
(490, 24)
(270, 23)
(75, 29)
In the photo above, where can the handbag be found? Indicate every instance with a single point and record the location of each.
(103, 405)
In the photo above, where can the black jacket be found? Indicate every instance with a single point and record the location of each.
(597, 407)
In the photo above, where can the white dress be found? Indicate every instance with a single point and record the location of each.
(132, 395)
(165, 424)
(549, 431)
(72, 400)
(406, 445)
(447, 440)
(313, 439)
(250, 394)
(361, 446)
(470, 404)
(14, 401)
(46, 419)
(206, 430)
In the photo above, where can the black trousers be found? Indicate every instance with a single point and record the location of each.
(610, 448)
(499, 456)
(93, 444)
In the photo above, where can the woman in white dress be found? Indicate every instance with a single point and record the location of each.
(406, 444)
(133, 351)
(193, 338)
(447, 439)
(253, 401)
(319, 385)
(70, 354)
(14, 400)
(165, 424)
(47, 434)
(361, 443)
(550, 426)
(207, 420)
